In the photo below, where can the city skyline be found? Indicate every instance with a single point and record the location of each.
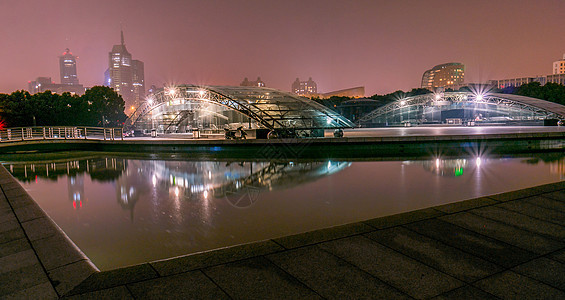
(377, 44)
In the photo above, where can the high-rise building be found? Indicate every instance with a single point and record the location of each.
(304, 88)
(68, 68)
(450, 75)
(124, 75)
(559, 66)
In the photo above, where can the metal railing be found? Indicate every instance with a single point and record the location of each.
(60, 133)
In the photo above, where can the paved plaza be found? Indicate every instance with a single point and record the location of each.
(509, 246)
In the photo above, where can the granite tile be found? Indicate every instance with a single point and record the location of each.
(547, 203)
(215, 257)
(120, 292)
(11, 235)
(56, 251)
(538, 212)
(331, 277)
(36, 292)
(511, 285)
(65, 278)
(545, 270)
(558, 255)
(191, 285)
(515, 195)
(40, 228)
(112, 278)
(506, 233)
(452, 261)
(14, 246)
(465, 205)
(404, 218)
(322, 235)
(557, 195)
(464, 293)
(21, 279)
(400, 271)
(29, 212)
(18, 260)
(484, 247)
(257, 278)
(522, 221)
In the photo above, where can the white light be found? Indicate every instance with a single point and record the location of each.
(402, 102)
(437, 163)
(329, 120)
(480, 97)
(438, 96)
(201, 93)
(177, 191)
(478, 162)
(205, 194)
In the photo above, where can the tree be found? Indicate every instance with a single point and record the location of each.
(105, 104)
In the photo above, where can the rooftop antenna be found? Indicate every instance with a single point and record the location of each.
(122, 34)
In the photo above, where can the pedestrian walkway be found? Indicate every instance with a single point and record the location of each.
(509, 246)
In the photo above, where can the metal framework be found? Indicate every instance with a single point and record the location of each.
(540, 108)
(268, 108)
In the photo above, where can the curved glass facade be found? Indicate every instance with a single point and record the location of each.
(186, 107)
(464, 108)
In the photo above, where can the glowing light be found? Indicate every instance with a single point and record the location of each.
(480, 97)
(171, 91)
(478, 162)
(437, 163)
(329, 120)
(402, 102)
(150, 100)
(177, 191)
(205, 194)
(438, 96)
(201, 93)
(132, 107)
(154, 180)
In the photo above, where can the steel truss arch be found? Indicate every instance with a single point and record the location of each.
(544, 109)
(269, 108)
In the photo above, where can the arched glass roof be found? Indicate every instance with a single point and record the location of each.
(465, 106)
(268, 108)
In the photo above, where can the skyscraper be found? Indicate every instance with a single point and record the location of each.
(68, 68)
(125, 76)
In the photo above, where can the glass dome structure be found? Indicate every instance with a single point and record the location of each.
(185, 107)
(465, 108)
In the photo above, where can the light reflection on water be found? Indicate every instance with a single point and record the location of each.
(123, 211)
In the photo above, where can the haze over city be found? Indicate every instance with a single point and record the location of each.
(382, 45)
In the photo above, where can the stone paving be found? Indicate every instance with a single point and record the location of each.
(509, 246)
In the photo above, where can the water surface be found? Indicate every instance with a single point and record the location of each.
(122, 211)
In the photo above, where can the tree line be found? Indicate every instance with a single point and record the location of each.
(99, 106)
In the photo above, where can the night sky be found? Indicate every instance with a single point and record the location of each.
(382, 45)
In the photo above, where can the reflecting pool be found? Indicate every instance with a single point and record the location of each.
(122, 211)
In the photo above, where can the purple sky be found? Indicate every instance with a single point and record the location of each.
(382, 45)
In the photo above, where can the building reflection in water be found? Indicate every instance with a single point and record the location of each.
(239, 183)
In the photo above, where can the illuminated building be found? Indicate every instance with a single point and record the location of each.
(68, 68)
(304, 88)
(42, 84)
(258, 82)
(124, 75)
(69, 79)
(558, 76)
(450, 75)
(559, 66)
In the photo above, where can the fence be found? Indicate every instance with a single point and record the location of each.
(60, 133)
